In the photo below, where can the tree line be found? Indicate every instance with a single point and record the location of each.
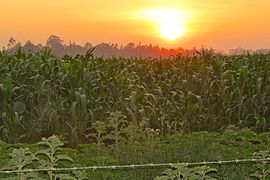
(57, 46)
(106, 50)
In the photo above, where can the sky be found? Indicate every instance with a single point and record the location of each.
(210, 23)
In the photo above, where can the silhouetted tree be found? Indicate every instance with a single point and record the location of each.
(11, 43)
(88, 45)
(57, 47)
(30, 47)
(130, 45)
(55, 43)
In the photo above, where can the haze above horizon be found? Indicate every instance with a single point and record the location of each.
(170, 24)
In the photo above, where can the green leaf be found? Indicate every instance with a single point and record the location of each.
(64, 176)
(63, 157)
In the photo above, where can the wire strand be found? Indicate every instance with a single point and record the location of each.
(137, 166)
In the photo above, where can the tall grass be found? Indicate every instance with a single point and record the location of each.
(41, 94)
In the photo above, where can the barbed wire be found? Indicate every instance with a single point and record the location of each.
(137, 166)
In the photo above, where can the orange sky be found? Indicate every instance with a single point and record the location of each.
(212, 23)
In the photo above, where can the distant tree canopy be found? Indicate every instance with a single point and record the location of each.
(57, 46)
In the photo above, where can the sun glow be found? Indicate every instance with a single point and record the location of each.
(171, 23)
(171, 30)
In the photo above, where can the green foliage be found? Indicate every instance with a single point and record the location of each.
(117, 122)
(99, 134)
(153, 104)
(194, 147)
(50, 156)
(262, 169)
(21, 159)
(41, 94)
(46, 158)
(203, 172)
(183, 172)
(80, 175)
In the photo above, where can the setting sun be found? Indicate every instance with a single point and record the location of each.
(171, 30)
(170, 22)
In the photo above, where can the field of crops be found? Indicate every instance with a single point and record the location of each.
(130, 110)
